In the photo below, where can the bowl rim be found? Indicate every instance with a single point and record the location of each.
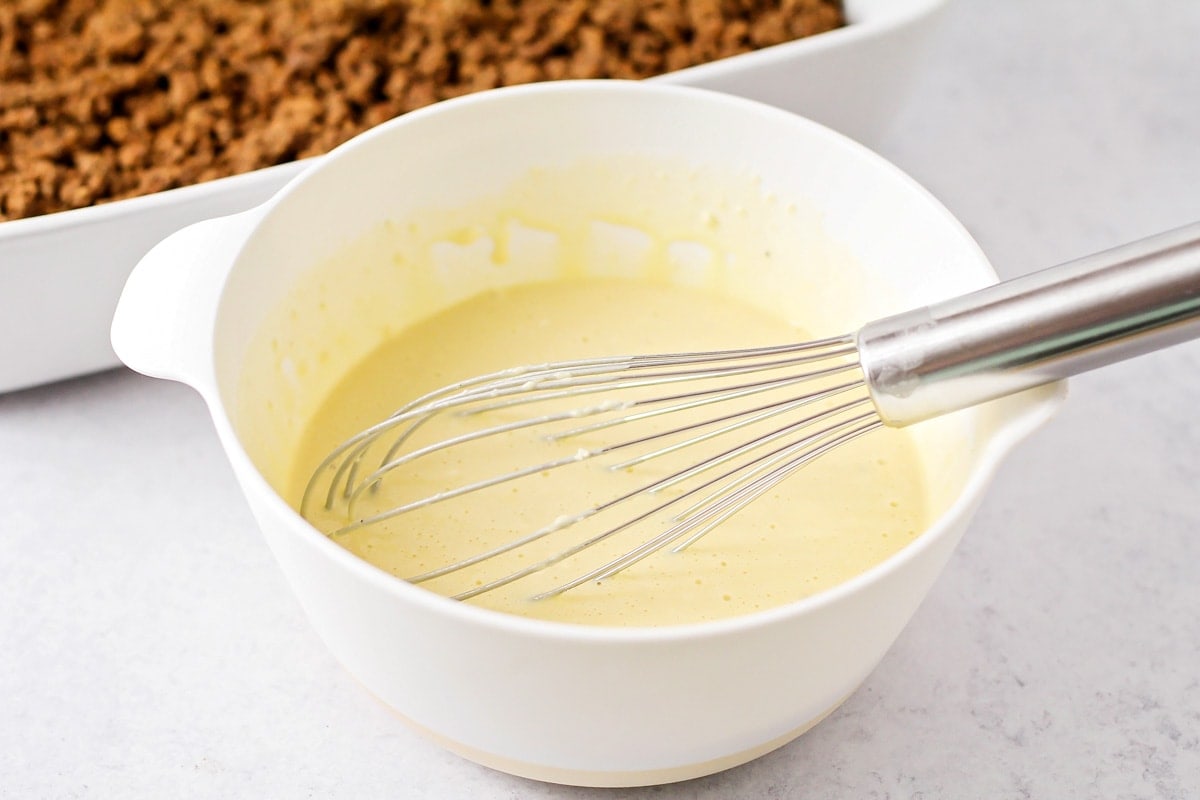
(1043, 402)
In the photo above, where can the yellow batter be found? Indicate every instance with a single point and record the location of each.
(828, 523)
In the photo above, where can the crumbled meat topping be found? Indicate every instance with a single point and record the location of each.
(107, 99)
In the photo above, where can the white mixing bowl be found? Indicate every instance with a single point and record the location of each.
(564, 703)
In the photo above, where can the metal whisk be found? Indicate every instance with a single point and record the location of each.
(767, 412)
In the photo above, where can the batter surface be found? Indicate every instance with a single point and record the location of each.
(826, 524)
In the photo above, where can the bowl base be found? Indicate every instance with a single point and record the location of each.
(610, 779)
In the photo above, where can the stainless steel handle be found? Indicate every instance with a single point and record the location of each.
(1035, 329)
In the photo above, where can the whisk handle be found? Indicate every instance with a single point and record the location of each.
(1035, 329)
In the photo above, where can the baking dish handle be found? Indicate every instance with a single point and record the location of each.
(163, 324)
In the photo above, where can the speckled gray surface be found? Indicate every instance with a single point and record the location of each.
(150, 648)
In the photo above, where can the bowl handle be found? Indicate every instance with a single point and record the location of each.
(164, 320)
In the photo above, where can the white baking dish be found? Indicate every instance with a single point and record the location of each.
(61, 274)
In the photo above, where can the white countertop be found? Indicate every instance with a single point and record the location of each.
(149, 647)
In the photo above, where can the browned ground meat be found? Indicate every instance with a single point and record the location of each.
(106, 99)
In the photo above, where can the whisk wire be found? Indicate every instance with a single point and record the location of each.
(681, 528)
(718, 513)
(745, 470)
(533, 383)
(750, 416)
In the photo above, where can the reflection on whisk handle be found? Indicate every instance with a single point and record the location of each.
(1032, 330)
